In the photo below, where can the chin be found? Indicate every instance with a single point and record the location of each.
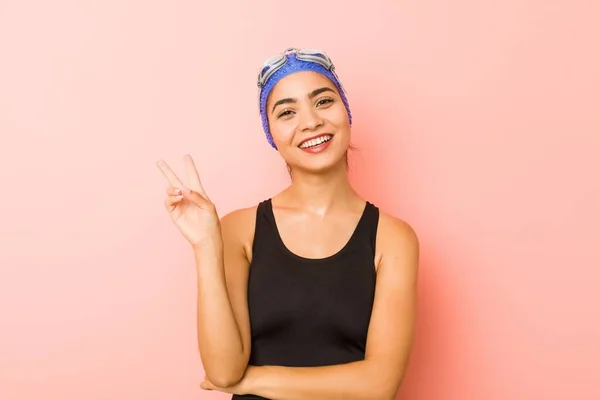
(321, 163)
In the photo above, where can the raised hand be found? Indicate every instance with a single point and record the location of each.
(189, 207)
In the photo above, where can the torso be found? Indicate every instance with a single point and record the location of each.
(310, 287)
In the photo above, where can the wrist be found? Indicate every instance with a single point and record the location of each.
(213, 241)
(252, 379)
(208, 251)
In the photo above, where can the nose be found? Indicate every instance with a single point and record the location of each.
(310, 120)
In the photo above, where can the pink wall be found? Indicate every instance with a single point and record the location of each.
(478, 122)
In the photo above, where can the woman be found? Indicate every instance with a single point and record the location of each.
(311, 293)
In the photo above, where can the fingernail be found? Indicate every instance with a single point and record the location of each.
(177, 191)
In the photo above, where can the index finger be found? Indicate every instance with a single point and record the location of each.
(170, 175)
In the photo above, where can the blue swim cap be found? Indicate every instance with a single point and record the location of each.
(295, 64)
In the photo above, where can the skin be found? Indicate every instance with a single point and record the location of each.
(315, 215)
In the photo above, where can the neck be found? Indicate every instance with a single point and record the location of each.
(321, 192)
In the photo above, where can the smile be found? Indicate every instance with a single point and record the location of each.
(315, 141)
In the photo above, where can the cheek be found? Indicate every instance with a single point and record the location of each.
(282, 131)
(338, 114)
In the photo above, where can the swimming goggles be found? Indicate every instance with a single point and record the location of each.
(274, 63)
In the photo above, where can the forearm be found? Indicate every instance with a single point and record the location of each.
(219, 339)
(359, 380)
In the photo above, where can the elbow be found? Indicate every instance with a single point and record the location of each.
(386, 387)
(223, 381)
(225, 370)
(226, 376)
(385, 393)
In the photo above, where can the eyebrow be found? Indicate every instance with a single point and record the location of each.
(312, 94)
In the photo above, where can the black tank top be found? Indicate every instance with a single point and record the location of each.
(310, 312)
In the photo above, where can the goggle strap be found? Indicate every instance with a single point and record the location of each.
(271, 65)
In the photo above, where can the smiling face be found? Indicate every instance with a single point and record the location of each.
(308, 121)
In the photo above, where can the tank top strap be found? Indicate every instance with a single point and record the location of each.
(366, 231)
(263, 211)
(263, 228)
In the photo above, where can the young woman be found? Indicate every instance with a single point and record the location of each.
(310, 294)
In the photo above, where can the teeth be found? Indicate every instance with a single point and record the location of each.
(315, 141)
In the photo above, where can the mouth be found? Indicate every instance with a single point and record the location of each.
(315, 141)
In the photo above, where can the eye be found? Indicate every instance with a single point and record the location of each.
(324, 101)
(284, 113)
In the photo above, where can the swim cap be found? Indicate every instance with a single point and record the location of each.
(295, 62)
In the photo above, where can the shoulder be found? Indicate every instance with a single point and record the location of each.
(240, 222)
(396, 230)
(397, 242)
(237, 228)
(239, 217)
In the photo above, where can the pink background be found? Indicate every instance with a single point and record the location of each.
(476, 121)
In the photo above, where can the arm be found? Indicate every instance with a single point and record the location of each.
(223, 321)
(389, 341)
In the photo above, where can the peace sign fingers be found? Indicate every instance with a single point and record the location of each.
(193, 178)
(190, 209)
(170, 175)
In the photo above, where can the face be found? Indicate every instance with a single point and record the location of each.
(308, 121)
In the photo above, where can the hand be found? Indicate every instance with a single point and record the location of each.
(190, 208)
